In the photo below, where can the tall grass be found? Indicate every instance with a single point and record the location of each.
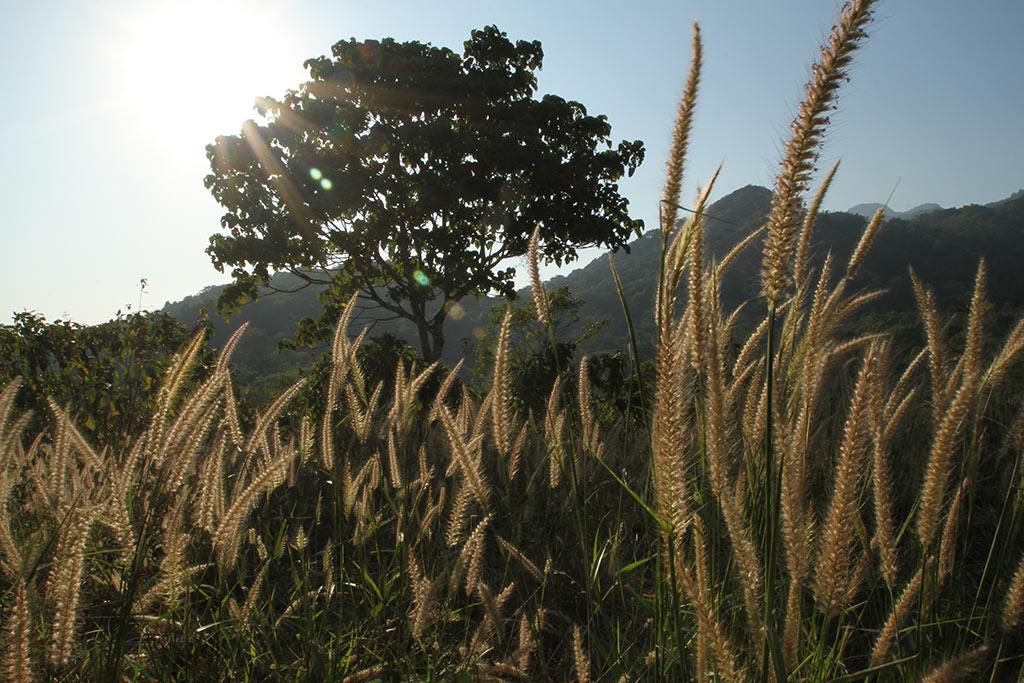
(802, 507)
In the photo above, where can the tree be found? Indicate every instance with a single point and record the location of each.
(412, 175)
(108, 374)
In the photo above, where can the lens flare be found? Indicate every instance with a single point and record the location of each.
(421, 278)
(326, 183)
(315, 174)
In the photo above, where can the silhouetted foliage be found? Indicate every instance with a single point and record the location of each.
(412, 175)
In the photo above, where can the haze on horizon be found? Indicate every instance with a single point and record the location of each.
(116, 100)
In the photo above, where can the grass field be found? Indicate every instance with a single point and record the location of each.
(789, 504)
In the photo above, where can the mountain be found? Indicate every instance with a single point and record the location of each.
(920, 209)
(868, 210)
(943, 246)
(1019, 194)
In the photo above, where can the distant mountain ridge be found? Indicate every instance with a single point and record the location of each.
(1019, 194)
(942, 245)
(868, 210)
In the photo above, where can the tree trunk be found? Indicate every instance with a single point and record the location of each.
(437, 341)
(431, 337)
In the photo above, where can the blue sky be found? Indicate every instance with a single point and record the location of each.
(111, 103)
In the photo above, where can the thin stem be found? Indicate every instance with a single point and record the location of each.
(770, 654)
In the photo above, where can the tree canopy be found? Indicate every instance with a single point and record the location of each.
(412, 175)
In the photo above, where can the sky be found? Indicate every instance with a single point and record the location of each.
(110, 105)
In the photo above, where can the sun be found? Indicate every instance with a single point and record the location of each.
(186, 71)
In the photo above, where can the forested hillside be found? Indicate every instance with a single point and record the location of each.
(942, 246)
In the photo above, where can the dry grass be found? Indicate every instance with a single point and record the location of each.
(799, 505)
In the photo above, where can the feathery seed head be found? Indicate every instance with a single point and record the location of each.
(801, 151)
(680, 138)
(540, 297)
